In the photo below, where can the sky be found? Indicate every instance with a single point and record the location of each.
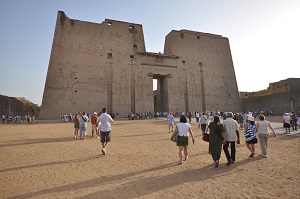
(264, 35)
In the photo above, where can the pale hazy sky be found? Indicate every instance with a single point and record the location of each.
(264, 35)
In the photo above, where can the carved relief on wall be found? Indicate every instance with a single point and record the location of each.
(67, 87)
(123, 86)
(180, 82)
(139, 86)
(70, 84)
(194, 88)
(228, 83)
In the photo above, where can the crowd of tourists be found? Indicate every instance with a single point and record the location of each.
(140, 116)
(225, 135)
(17, 119)
(223, 130)
(101, 126)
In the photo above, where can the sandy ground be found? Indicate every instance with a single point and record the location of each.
(43, 160)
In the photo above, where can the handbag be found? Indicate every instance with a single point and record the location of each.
(174, 136)
(205, 137)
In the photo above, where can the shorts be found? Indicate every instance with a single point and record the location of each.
(183, 141)
(286, 125)
(105, 136)
(170, 124)
(253, 141)
(94, 127)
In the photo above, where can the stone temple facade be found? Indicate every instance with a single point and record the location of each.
(106, 65)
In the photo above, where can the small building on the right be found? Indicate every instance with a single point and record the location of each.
(279, 97)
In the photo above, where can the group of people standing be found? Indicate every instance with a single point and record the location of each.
(101, 127)
(223, 135)
(291, 120)
(17, 119)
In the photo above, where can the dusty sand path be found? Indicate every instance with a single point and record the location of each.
(44, 161)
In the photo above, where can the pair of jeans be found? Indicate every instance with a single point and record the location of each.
(230, 156)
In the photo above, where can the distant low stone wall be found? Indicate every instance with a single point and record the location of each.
(13, 106)
(279, 103)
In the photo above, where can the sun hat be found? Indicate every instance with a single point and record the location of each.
(95, 113)
(250, 118)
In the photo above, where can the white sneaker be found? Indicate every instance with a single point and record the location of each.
(103, 152)
(264, 155)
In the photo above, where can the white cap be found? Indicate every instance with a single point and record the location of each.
(250, 118)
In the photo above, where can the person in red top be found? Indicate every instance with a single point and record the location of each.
(190, 115)
(94, 120)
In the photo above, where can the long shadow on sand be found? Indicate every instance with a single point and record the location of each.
(51, 163)
(36, 141)
(147, 185)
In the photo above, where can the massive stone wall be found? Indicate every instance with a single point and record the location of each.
(17, 106)
(283, 97)
(106, 65)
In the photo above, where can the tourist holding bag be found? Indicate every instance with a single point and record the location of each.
(216, 139)
(184, 130)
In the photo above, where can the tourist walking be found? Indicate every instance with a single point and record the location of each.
(83, 124)
(3, 118)
(250, 135)
(105, 129)
(197, 115)
(216, 139)
(94, 121)
(263, 134)
(190, 115)
(241, 121)
(232, 134)
(203, 123)
(184, 130)
(76, 121)
(286, 123)
(170, 119)
(294, 121)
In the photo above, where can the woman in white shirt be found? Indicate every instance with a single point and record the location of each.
(263, 134)
(184, 129)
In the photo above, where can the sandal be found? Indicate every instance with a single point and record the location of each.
(251, 155)
(217, 163)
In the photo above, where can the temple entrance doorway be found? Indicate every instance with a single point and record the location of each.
(160, 95)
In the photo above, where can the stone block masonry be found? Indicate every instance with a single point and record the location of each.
(106, 65)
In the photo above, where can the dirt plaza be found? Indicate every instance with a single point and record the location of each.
(43, 160)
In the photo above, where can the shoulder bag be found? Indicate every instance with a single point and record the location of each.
(205, 137)
(174, 136)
